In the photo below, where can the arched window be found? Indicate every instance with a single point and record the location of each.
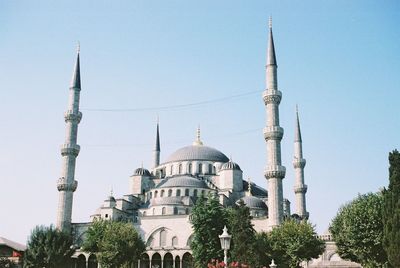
(144, 213)
(180, 169)
(175, 211)
(210, 168)
(200, 168)
(190, 168)
(203, 193)
(187, 211)
(81, 261)
(172, 168)
(162, 193)
(163, 238)
(178, 192)
(174, 241)
(163, 211)
(195, 192)
(154, 211)
(186, 192)
(155, 194)
(92, 261)
(151, 195)
(169, 192)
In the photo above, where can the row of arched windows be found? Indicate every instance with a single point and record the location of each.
(201, 169)
(178, 192)
(164, 211)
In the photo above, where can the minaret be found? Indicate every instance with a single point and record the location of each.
(67, 184)
(273, 133)
(300, 189)
(156, 151)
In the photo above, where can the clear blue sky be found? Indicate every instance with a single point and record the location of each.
(338, 60)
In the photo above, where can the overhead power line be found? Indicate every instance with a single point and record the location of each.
(174, 107)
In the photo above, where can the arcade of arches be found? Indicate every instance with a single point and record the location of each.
(167, 260)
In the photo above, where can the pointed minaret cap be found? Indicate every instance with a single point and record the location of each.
(271, 59)
(198, 141)
(297, 133)
(157, 147)
(76, 76)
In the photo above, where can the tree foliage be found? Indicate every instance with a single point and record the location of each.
(6, 263)
(357, 230)
(294, 242)
(262, 250)
(391, 211)
(208, 219)
(48, 247)
(116, 244)
(243, 244)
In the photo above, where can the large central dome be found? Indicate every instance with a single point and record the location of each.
(197, 152)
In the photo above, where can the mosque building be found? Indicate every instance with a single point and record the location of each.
(160, 199)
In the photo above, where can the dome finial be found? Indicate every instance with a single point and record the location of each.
(198, 140)
(111, 192)
(78, 47)
(248, 193)
(270, 22)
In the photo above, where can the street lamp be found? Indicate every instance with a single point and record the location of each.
(225, 243)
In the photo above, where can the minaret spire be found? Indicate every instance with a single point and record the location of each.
(300, 189)
(273, 133)
(157, 147)
(67, 184)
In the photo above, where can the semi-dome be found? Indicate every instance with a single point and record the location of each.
(197, 152)
(253, 202)
(142, 172)
(230, 165)
(182, 181)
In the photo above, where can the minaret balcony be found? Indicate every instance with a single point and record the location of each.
(299, 163)
(275, 171)
(70, 149)
(300, 189)
(273, 133)
(63, 185)
(72, 116)
(271, 96)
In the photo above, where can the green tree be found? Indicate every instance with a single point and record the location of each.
(391, 211)
(262, 250)
(294, 242)
(116, 244)
(357, 230)
(243, 235)
(208, 219)
(48, 247)
(6, 263)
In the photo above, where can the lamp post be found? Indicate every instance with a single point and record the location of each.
(225, 239)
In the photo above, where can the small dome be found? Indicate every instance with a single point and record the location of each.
(182, 181)
(230, 165)
(253, 202)
(197, 152)
(142, 172)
